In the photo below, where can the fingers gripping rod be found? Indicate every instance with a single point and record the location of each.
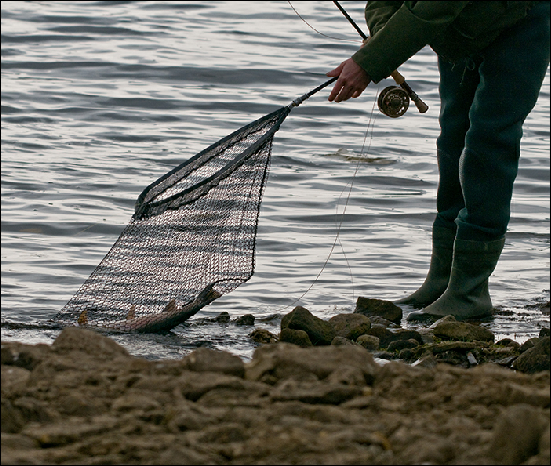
(398, 78)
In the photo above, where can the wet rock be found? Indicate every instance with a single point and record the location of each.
(379, 307)
(222, 318)
(382, 321)
(296, 337)
(350, 326)
(261, 335)
(89, 342)
(517, 434)
(530, 343)
(211, 360)
(535, 359)
(508, 342)
(369, 342)
(318, 330)
(407, 334)
(247, 319)
(398, 345)
(461, 331)
(384, 335)
(341, 341)
(544, 332)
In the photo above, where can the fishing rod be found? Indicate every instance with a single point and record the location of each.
(393, 101)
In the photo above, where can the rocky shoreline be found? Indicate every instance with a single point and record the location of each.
(355, 389)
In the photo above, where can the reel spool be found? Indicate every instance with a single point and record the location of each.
(393, 101)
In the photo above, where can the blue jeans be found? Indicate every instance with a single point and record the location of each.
(484, 102)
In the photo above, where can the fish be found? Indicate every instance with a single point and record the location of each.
(167, 319)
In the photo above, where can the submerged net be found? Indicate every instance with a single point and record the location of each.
(190, 240)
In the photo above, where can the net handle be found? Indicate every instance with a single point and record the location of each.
(299, 100)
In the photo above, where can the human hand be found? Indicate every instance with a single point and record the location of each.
(351, 83)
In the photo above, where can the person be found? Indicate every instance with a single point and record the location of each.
(492, 59)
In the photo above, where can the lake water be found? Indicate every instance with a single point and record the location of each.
(99, 99)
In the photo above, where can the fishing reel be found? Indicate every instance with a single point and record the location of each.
(393, 101)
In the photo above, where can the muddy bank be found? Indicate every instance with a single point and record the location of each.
(462, 398)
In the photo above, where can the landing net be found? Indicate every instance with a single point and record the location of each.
(190, 240)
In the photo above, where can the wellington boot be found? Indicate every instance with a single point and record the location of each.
(439, 271)
(467, 295)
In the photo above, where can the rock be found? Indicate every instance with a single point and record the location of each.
(26, 356)
(222, 318)
(247, 319)
(296, 337)
(369, 342)
(535, 359)
(341, 341)
(350, 326)
(319, 331)
(544, 332)
(461, 331)
(87, 341)
(261, 335)
(384, 335)
(398, 345)
(382, 321)
(387, 336)
(517, 434)
(530, 343)
(508, 342)
(315, 393)
(211, 360)
(406, 334)
(273, 363)
(378, 307)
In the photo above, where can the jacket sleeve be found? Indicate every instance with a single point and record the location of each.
(378, 13)
(406, 31)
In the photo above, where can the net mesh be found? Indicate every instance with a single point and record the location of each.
(190, 241)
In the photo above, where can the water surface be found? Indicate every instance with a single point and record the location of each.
(99, 99)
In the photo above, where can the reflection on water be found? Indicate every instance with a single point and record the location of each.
(99, 99)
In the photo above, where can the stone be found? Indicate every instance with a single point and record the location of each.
(247, 319)
(517, 434)
(530, 343)
(350, 326)
(89, 342)
(508, 342)
(261, 335)
(318, 330)
(369, 342)
(284, 361)
(384, 335)
(211, 360)
(535, 359)
(398, 345)
(544, 332)
(379, 307)
(315, 393)
(26, 356)
(296, 337)
(341, 341)
(461, 331)
(222, 318)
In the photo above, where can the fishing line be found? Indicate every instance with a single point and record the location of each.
(339, 223)
(314, 29)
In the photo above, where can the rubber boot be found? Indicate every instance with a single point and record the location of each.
(467, 295)
(439, 271)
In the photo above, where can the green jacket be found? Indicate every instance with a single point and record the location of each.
(453, 29)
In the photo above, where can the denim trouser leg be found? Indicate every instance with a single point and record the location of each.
(483, 110)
